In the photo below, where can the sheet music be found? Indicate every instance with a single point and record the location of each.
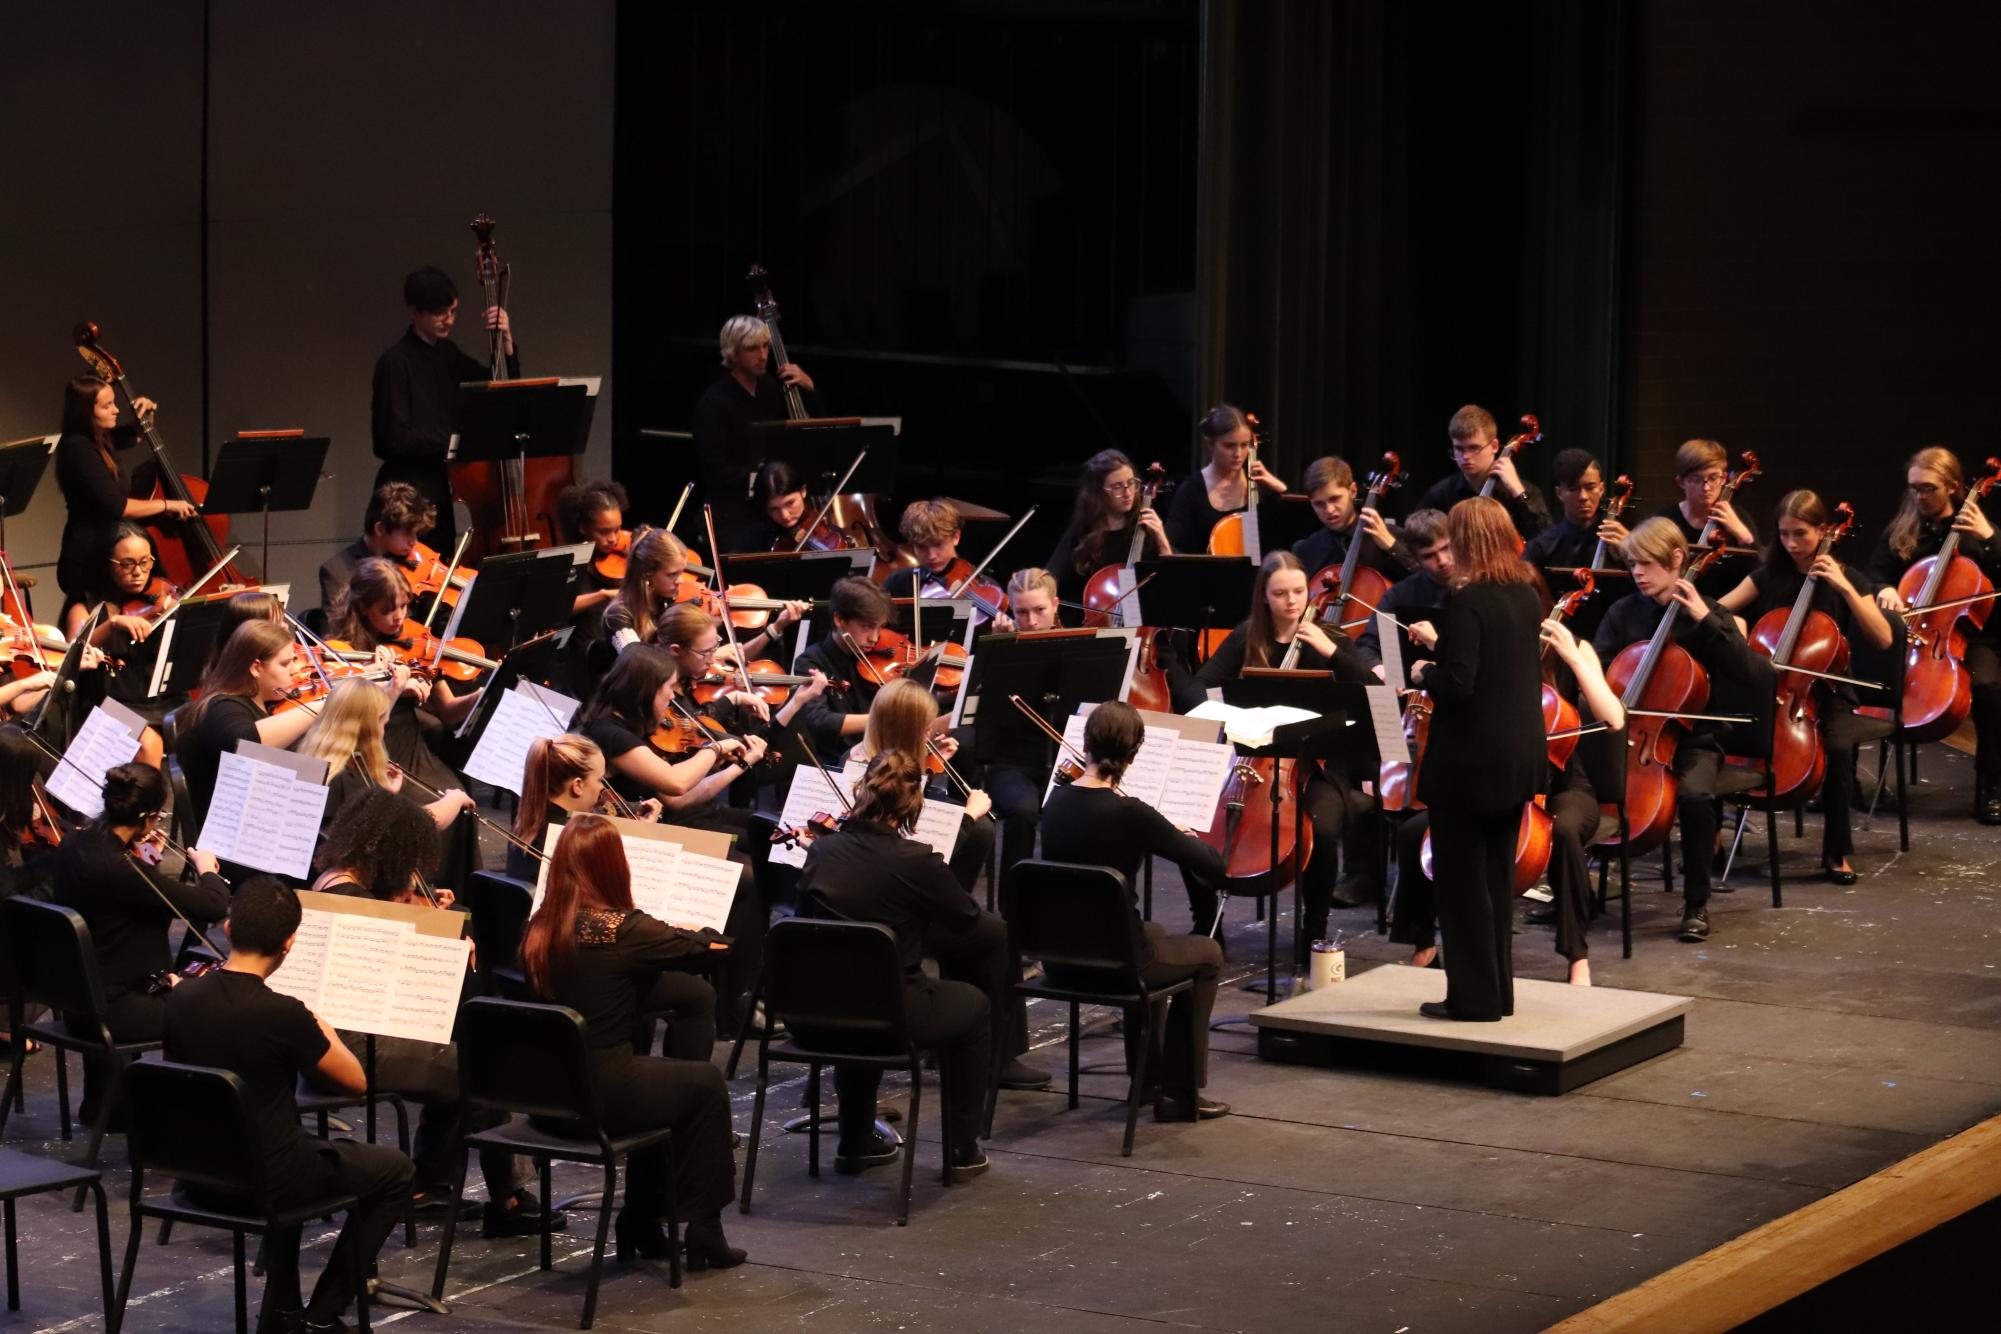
(678, 885)
(429, 979)
(1250, 727)
(304, 971)
(108, 738)
(361, 966)
(1392, 647)
(375, 975)
(524, 715)
(1387, 719)
(1178, 776)
(938, 824)
(263, 815)
(812, 791)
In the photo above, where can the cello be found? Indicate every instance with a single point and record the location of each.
(1619, 498)
(1245, 833)
(1805, 638)
(186, 546)
(512, 501)
(1333, 589)
(1111, 599)
(1237, 534)
(1940, 590)
(1530, 434)
(1747, 469)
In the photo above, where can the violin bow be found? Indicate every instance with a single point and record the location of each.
(687, 489)
(195, 588)
(1006, 537)
(722, 594)
(828, 504)
(458, 555)
(1053, 734)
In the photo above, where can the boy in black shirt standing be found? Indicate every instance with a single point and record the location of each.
(231, 1020)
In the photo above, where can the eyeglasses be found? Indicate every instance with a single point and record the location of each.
(1469, 451)
(708, 652)
(1925, 488)
(142, 563)
(1124, 488)
(1705, 479)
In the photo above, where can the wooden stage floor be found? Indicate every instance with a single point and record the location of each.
(1827, 1040)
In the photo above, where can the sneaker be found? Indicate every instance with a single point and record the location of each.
(1019, 1074)
(877, 1152)
(1695, 926)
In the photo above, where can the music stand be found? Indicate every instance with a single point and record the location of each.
(65, 682)
(1052, 676)
(185, 643)
(1195, 592)
(508, 421)
(1336, 703)
(820, 451)
(807, 576)
(534, 661)
(22, 463)
(261, 471)
(512, 593)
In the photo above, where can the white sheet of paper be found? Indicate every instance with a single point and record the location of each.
(428, 980)
(108, 738)
(937, 824)
(525, 714)
(304, 972)
(680, 887)
(1392, 646)
(361, 959)
(1073, 732)
(1194, 782)
(1250, 727)
(263, 815)
(812, 791)
(1387, 719)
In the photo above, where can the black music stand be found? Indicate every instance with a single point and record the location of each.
(1337, 704)
(535, 661)
(820, 451)
(22, 463)
(256, 474)
(514, 597)
(1053, 676)
(190, 637)
(512, 421)
(64, 686)
(808, 576)
(1195, 592)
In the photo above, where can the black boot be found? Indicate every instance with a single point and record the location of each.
(708, 1248)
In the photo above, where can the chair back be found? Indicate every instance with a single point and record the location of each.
(841, 982)
(500, 906)
(193, 1122)
(1077, 919)
(528, 1059)
(54, 962)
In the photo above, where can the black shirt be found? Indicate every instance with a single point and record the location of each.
(725, 456)
(1530, 512)
(870, 872)
(1318, 550)
(1190, 516)
(1415, 597)
(761, 534)
(1563, 545)
(820, 717)
(1099, 827)
(128, 920)
(618, 956)
(96, 496)
(234, 1021)
(337, 571)
(1728, 571)
(1740, 682)
(1885, 567)
(1487, 750)
(414, 408)
(615, 737)
(225, 720)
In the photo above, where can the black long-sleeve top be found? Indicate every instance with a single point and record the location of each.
(1885, 567)
(414, 408)
(1227, 663)
(1076, 557)
(1099, 827)
(618, 955)
(871, 873)
(1530, 511)
(95, 493)
(1740, 682)
(725, 456)
(1487, 750)
(1318, 550)
(1415, 597)
(820, 717)
(1190, 516)
(128, 920)
(1778, 590)
(1563, 545)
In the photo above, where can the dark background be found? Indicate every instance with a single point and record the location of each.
(1035, 228)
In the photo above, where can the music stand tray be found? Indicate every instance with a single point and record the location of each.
(22, 463)
(1195, 592)
(822, 451)
(514, 597)
(261, 471)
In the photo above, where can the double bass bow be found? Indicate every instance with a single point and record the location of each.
(1941, 590)
(186, 546)
(1333, 588)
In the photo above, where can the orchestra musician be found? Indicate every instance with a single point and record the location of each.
(838, 716)
(690, 636)
(253, 604)
(1800, 524)
(1343, 813)
(1220, 487)
(123, 638)
(1101, 523)
(1572, 541)
(231, 1019)
(747, 392)
(397, 516)
(414, 407)
(1090, 822)
(870, 871)
(779, 494)
(1486, 757)
(97, 474)
(1740, 683)
(254, 671)
(1476, 457)
(1015, 778)
(1330, 487)
(1936, 503)
(904, 716)
(654, 571)
(28, 836)
(933, 528)
(1701, 468)
(588, 947)
(1418, 595)
(593, 512)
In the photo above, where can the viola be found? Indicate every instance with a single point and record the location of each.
(1942, 590)
(1530, 434)
(513, 501)
(186, 546)
(425, 571)
(1237, 534)
(1802, 637)
(1334, 588)
(611, 565)
(317, 668)
(1109, 592)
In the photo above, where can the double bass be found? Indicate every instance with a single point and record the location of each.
(1941, 590)
(187, 547)
(1332, 589)
(1806, 638)
(512, 501)
(767, 310)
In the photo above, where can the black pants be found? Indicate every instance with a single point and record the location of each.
(1840, 733)
(1473, 854)
(379, 1178)
(132, 1016)
(970, 853)
(1178, 1060)
(983, 957)
(1983, 664)
(428, 1073)
(689, 1098)
(1413, 905)
(1573, 817)
(690, 1005)
(952, 1018)
(1697, 768)
(1017, 793)
(1344, 819)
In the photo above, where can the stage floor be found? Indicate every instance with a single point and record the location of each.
(1824, 1042)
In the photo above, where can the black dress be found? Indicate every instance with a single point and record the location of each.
(1485, 759)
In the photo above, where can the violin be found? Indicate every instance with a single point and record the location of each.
(1530, 434)
(767, 680)
(684, 733)
(1333, 588)
(1237, 534)
(961, 580)
(44, 829)
(611, 565)
(153, 601)
(1941, 590)
(1108, 593)
(896, 655)
(427, 572)
(1806, 638)
(186, 546)
(460, 659)
(818, 825)
(748, 606)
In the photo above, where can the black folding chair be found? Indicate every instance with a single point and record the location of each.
(533, 1061)
(55, 965)
(29, 1174)
(192, 1123)
(841, 982)
(1079, 922)
(500, 906)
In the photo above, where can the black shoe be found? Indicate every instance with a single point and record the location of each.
(1543, 914)
(708, 1248)
(1352, 891)
(521, 1219)
(1695, 926)
(969, 1162)
(641, 1237)
(876, 1153)
(435, 1201)
(300, 1322)
(1440, 1010)
(1188, 1107)
(1018, 1074)
(1990, 807)
(1840, 877)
